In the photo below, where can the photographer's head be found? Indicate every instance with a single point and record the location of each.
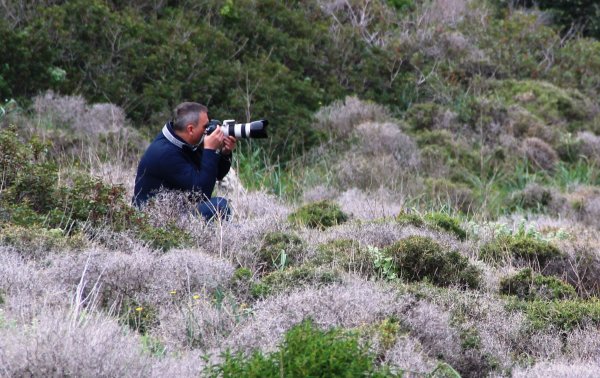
(189, 121)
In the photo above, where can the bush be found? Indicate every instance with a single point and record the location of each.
(346, 254)
(34, 240)
(341, 117)
(282, 280)
(447, 223)
(319, 215)
(563, 315)
(163, 239)
(578, 66)
(17, 155)
(279, 250)
(569, 149)
(532, 197)
(455, 194)
(436, 220)
(532, 286)
(422, 116)
(419, 258)
(412, 219)
(539, 154)
(378, 139)
(306, 352)
(545, 100)
(525, 249)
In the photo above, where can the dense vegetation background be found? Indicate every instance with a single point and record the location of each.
(428, 200)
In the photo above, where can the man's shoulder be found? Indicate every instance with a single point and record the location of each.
(161, 149)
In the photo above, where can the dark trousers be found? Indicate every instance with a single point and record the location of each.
(216, 207)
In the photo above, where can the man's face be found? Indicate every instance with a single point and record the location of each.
(199, 129)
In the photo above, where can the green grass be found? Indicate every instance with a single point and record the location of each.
(256, 172)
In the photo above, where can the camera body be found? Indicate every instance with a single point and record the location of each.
(254, 129)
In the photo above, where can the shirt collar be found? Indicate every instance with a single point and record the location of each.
(168, 132)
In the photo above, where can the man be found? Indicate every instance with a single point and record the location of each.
(183, 158)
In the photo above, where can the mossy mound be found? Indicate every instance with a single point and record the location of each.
(563, 316)
(413, 219)
(347, 255)
(279, 250)
(446, 223)
(545, 100)
(319, 215)
(281, 280)
(36, 240)
(422, 116)
(418, 258)
(526, 250)
(436, 220)
(532, 286)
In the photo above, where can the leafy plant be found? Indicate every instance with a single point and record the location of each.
(447, 223)
(306, 351)
(279, 250)
(384, 264)
(564, 315)
(346, 254)
(532, 286)
(419, 258)
(280, 280)
(528, 249)
(319, 215)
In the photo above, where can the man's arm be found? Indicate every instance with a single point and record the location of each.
(180, 174)
(226, 154)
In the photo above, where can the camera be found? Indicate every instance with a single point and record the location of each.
(254, 129)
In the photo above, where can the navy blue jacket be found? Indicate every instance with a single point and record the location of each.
(171, 163)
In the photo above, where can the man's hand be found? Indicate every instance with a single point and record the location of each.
(229, 145)
(214, 141)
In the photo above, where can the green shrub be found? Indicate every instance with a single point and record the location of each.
(543, 99)
(242, 275)
(447, 223)
(412, 219)
(516, 43)
(279, 250)
(578, 66)
(319, 215)
(35, 185)
(532, 286)
(422, 116)
(166, 238)
(419, 258)
(16, 155)
(306, 352)
(346, 254)
(521, 247)
(281, 280)
(35, 240)
(562, 315)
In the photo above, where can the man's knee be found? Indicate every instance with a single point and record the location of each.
(215, 207)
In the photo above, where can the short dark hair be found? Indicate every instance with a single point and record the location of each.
(186, 113)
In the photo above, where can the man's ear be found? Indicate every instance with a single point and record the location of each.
(189, 128)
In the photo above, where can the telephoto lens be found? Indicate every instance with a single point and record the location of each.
(253, 129)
